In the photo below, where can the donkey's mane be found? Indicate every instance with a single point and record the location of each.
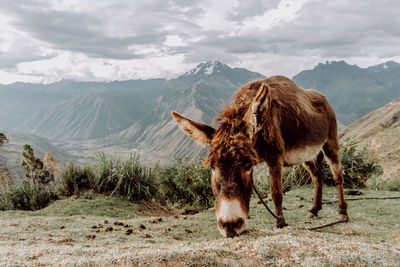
(233, 143)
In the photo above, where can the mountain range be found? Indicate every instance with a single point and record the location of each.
(353, 91)
(136, 113)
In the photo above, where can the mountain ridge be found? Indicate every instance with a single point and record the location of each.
(136, 113)
(353, 91)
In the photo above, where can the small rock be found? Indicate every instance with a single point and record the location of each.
(157, 220)
(148, 236)
(169, 229)
(118, 223)
(353, 192)
(98, 231)
(62, 227)
(177, 238)
(83, 217)
(176, 217)
(100, 226)
(190, 211)
(127, 226)
(300, 206)
(66, 240)
(105, 222)
(129, 231)
(109, 229)
(94, 227)
(91, 237)
(142, 227)
(188, 231)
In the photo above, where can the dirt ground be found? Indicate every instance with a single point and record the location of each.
(104, 232)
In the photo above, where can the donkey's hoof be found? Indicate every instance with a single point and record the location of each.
(343, 218)
(311, 215)
(281, 224)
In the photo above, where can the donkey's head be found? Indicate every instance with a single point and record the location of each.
(231, 158)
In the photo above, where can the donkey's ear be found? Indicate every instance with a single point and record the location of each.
(200, 132)
(257, 110)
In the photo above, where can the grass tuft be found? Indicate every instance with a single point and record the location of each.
(124, 177)
(185, 184)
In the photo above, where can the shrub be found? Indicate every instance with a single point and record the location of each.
(27, 196)
(295, 176)
(182, 184)
(124, 177)
(378, 184)
(356, 168)
(75, 179)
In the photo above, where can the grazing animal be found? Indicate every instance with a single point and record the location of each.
(273, 121)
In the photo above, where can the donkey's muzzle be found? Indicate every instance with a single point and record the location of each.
(231, 228)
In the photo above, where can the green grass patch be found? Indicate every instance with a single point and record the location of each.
(61, 234)
(93, 205)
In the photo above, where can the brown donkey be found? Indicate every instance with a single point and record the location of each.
(272, 121)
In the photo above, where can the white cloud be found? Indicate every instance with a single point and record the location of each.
(48, 40)
(286, 11)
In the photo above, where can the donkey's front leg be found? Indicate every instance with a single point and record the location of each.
(276, 193)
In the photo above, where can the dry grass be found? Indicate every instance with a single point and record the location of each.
(62, 235)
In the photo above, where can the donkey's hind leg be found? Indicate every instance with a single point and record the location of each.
(331, 150)
(315, 169)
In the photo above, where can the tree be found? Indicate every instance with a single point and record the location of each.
(3, 139)
(34, 167)
(6, 179)
(51, 164)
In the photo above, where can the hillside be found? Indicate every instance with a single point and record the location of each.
(91, 116)
(105, 231)
(10, 153)
(208, 87)
(23, 105)
(353, 91)
(380, 131)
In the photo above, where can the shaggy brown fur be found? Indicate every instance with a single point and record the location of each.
(276, 122)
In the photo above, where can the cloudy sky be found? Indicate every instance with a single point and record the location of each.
(49, 40)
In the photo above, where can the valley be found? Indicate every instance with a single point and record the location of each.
(125, 117)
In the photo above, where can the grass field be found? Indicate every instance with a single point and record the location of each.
(76, 232)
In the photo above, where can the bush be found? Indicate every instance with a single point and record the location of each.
(296, 176)
(181, 183)
(124, 177)
(27, 196)
(356, 168)
(376, 183)
(75, 179)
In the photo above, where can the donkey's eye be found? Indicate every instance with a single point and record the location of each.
(239, 223)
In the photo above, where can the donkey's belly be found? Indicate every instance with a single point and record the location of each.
(300, 155)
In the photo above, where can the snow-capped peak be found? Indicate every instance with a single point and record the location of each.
(206, 68)
(387, 66)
